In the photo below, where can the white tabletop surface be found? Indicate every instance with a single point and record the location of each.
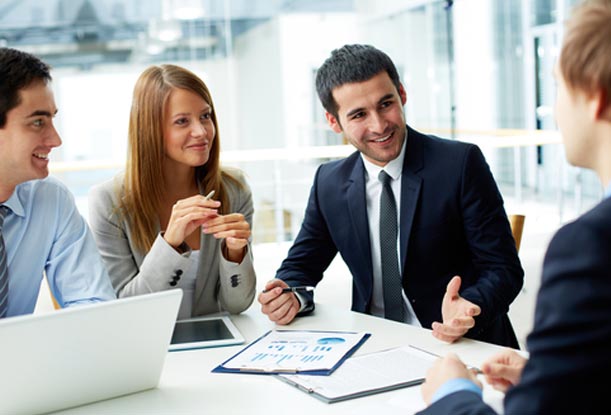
(187, 385)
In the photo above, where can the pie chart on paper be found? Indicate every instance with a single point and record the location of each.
(331, 340)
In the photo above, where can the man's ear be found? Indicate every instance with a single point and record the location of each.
(333, 122)
(601, 105)
(402, 94)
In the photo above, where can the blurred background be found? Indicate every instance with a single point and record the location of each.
(474, 70)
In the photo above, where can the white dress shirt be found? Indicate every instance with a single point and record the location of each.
(373, 191)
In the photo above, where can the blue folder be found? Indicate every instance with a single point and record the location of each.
(320, 372)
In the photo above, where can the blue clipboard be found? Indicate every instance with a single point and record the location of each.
(274, 371)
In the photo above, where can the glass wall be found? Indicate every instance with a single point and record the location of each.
(474, 70)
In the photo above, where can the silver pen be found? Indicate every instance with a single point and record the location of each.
(207, 197)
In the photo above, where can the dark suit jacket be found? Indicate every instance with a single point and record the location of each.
(570, 345)
(452, 222)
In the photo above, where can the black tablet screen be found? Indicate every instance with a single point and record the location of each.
(197, 331)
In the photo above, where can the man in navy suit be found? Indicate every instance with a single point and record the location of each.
(456, 265)
(569, 364)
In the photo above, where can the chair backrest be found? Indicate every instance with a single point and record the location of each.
(56, 305)
(517, 225)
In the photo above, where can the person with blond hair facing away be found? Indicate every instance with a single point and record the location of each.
(159, 225)
(569, 364)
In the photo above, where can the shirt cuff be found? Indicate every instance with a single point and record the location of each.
(302, 302)
(455, 385)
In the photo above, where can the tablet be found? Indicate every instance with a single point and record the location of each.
(202, 332)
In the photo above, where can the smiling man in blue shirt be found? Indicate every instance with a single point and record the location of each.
(40, 227)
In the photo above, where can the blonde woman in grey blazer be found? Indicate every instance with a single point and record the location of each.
(154, 225)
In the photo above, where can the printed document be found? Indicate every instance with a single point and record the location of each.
(295, 351)
(367, 374)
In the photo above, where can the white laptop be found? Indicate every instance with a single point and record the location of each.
(84, 353)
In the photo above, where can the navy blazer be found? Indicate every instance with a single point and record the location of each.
(570, 345)
(452, 222)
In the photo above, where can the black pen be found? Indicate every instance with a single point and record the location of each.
(299, 289)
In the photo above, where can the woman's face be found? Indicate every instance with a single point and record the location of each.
(188, 130)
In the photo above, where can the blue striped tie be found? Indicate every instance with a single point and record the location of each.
(391, 275)
(3, 267)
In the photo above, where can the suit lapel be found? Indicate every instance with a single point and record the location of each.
(357, 209)
(410, 187)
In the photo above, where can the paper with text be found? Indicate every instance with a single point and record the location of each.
(296, 351)
(367, 374)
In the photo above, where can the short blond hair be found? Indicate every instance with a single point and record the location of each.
(585, 59)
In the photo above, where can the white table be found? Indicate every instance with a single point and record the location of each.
(188, 387)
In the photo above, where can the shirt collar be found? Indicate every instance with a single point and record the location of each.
(608, 191)
(14, 203)
(393, 167)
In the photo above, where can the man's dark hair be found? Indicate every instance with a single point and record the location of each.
(17, 71)
(348, 64)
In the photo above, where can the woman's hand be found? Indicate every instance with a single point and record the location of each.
(234, 229)
(187, 215)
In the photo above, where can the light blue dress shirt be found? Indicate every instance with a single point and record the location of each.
(455, 385)
(44, 232)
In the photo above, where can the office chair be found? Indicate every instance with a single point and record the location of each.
(516, 222)
(56, 305)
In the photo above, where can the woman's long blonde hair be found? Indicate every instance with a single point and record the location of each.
(144, 181)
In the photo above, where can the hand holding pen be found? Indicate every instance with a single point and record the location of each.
(187, 215)
(234, 229)
(279, 301)
(298, 289)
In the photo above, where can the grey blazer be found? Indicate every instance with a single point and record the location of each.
(220, 285)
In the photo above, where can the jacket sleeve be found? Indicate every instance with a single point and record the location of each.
(499, 275)
(237, 282)
(313, 249)
(110, 233)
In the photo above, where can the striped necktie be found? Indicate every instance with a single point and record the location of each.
(3, 267)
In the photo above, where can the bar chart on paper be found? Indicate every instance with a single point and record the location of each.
(296, 351)
(280, 351)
